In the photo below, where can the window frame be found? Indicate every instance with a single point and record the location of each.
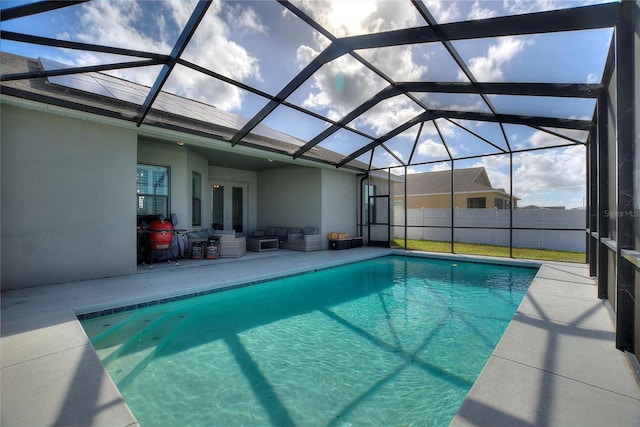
(473, 201)
(152, 204)
(196, 199)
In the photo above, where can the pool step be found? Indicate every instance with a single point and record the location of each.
(134, 355)
(96, 327)
(117, 332)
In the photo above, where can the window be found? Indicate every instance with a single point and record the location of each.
(477, 202)
(501, 203)
(152, 186)
(196, 199)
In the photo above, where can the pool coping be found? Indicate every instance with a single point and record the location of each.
(51, 375)
(85, 313)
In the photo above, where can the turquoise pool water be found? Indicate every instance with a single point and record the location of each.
(394, 341)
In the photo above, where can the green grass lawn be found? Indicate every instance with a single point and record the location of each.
(489, 250)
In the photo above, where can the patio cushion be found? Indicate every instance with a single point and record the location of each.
(281, 232)
(310, 230)
(270, 231)
(296, 237)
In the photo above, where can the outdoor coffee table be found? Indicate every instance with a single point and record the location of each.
(261, 245)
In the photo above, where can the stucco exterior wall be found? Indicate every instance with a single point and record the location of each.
(339, 203)
(296, 196)
(68, 210)
(67, 192)
(436, 201)
(290, 197)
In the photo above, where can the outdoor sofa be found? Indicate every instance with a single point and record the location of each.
(232, 244)
(294, 238)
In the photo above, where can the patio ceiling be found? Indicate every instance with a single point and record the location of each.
(410, 84)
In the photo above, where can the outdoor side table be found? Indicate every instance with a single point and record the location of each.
(262, 245)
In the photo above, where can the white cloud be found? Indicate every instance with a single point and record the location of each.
(444, 11)
(350, 17)
(390, 114)
(444, 166)
(497, 168)
(305, 54)
(243, 18)
(389, 160)
(125, 24)
(496, 162)
(489, 68)
(520, 6)
(343, 18)
(405, 68)
(478, 12)
(356, 83)
(499, 179)
(340, 86)
(432, 149)
(544, 139)
(446, 127)
(114, 24)
(554, 177)
(398, 154)
(539, 174)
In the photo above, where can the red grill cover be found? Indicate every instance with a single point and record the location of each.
(161, 234)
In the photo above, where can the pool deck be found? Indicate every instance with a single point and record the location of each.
(556, 364)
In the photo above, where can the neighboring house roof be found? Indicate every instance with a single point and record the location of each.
(110, 96)
(470, 180)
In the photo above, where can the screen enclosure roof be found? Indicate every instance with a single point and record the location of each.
(357, 84)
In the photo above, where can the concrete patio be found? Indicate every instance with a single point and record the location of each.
(548, 369)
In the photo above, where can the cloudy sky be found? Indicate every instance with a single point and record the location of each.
(263, 45)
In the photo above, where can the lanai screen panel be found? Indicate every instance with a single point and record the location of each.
(344, 83)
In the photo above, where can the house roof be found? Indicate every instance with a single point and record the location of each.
(471, 179)
(371, 118)
(173, 112)
(467, 180)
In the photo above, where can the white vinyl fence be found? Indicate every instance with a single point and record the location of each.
(537, 219)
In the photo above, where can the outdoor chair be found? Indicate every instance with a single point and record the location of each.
(309, 240)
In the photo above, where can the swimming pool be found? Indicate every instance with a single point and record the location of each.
(390, 341)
